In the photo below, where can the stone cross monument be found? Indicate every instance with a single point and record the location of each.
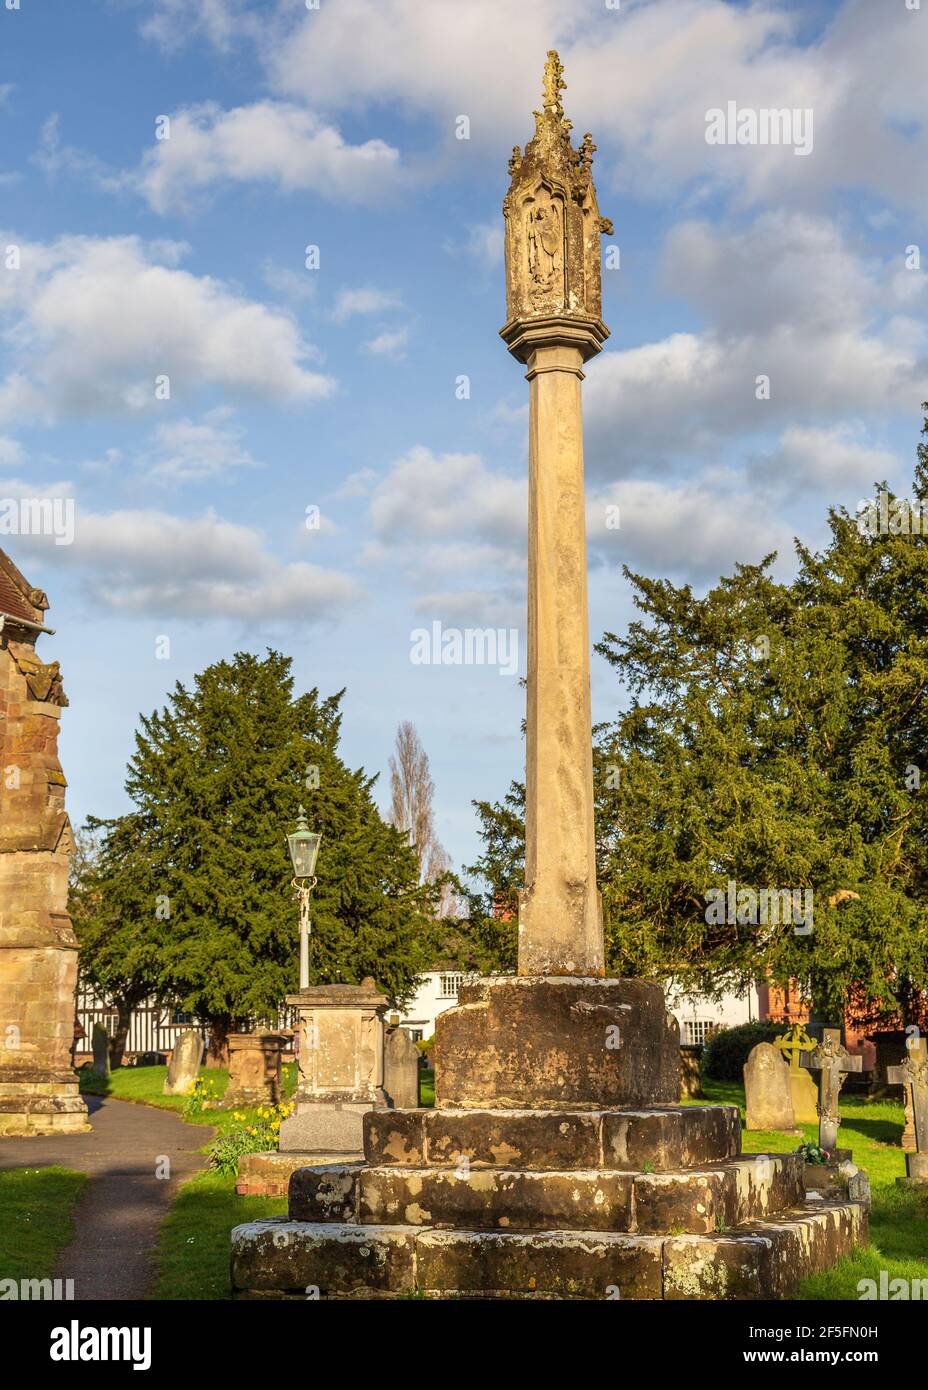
(560, 1032)
(38, 949)
(556, 1162)
(913, 1074)
(554, 324)
(831, 1061)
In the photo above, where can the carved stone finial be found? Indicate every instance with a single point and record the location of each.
(554, 84)
(553, 223)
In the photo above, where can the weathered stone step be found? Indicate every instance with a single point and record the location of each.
(698, 1201)
(664, 1138)
(765, 1260)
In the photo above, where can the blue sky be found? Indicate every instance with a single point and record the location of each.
(335, 387)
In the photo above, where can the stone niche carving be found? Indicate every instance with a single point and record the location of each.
(553, 224)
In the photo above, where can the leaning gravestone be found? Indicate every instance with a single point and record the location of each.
(401, 1069)
(913, 1074)
(767, 1095)
(101, 1051)
(184, 1066)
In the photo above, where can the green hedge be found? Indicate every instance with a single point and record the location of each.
(727, 1051)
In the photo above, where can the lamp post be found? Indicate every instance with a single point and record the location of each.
(303, 845)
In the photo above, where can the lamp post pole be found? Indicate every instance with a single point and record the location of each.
(304, 849)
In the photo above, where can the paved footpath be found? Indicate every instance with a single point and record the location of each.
(116, 1222)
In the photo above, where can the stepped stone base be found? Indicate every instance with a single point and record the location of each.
(765, 1260)
(673, 1136)
(699, 1201)
(42, 1106)
(556, 1165)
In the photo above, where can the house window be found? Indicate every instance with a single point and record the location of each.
(180, 1019)
(415, 1034)
(697, 1031)
(448, 986)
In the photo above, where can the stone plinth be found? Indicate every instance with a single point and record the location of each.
(341, 1067)
(38, 949)
(515, 1041)
(268, 1174)
(254, 1069)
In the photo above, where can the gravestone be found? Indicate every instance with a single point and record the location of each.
(254, 1069)
(913, 1074)
(767, 1097)
(691, 1071)
(401, 1069)
(832, 1062)
(101, 1051)
(793, 1043)
(184, 1066)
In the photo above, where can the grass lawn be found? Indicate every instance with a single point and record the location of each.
(36, 1207)
(143, 1086)
(193, 1245)
(898, 1220)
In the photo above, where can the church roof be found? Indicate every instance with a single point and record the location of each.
(17, 597)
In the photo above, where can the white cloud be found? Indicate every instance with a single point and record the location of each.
(291, 285)
(363, 300)
(11, 453)
(148, 562)
(357, 484)
(642, 79)
(785, 298)
(172, 23)
(94, 321)
(828, 459)
(190, 451)
(388, 344)
(695, 529)
(429, 498)
(267, 142)
(483, 244)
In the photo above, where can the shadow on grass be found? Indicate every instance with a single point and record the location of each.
(193, 1244)
(36, 1219)
(880, 1131)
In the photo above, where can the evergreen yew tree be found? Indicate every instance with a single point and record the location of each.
(217, 778)
(112, 904)
(775, 738)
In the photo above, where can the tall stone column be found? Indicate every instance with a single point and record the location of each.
(560, 917)
(554, 325)
(38, 949)
(559, 1034)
